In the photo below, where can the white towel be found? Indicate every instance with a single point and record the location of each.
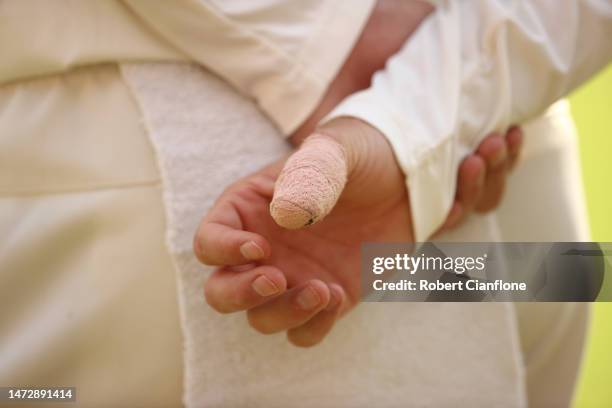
(381, 354)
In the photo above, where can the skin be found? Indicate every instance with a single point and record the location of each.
(302, 281)
(321, 261)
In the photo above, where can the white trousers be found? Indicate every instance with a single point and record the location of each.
(89, 296)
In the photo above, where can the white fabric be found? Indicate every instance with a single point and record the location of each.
(46, 37)
(473, 67)
(468, 70)
(193, 118)
(63, 174)
(281, 53)
(88, 292)
(379, 355)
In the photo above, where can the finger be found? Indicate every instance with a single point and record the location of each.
(453, 219)
(230, 290)
(495, 186)
(514, 141)
(470, 182)
(470, 186)
(310, 183)
(292, 309)
(493, 150)
(314, 331)
(218, 244)
(220, 239)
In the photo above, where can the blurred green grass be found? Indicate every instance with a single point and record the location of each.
(592, 110)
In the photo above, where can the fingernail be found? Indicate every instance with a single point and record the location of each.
(250, 250)
(264, 287)
(308, 299)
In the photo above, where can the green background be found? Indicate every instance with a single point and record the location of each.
(592, 110)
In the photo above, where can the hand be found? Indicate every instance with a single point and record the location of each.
(481, 180)
(301, 281)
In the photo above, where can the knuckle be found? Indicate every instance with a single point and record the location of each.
(259, 324)
(199, 247)
(238, 301)
(213, 302)
(303, 341)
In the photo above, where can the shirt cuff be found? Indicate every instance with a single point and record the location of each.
(430, 175)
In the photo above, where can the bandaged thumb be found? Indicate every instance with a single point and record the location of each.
(310, 184)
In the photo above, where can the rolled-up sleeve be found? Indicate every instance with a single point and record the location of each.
(476, 66)
(283, 54)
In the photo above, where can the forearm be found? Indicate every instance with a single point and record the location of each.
(389, 26)
(473, 67)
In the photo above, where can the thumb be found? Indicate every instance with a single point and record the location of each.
(310, 183)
